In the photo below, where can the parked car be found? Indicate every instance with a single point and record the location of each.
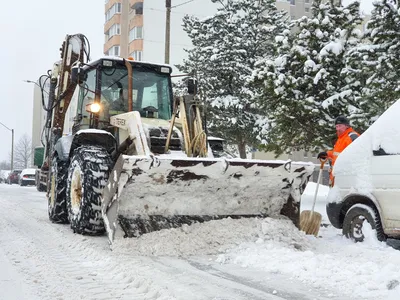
(13, 177)
(364, 200)
(27, 177)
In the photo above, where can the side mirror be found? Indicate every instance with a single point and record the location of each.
(192, 86)
(78, 75)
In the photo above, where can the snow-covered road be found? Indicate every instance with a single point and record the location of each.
(225, 259)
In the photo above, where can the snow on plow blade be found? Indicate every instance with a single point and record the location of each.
(149, 193)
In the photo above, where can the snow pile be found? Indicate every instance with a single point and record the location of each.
(364, 270)
(215, 237)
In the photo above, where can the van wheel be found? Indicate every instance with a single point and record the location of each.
(359, 221)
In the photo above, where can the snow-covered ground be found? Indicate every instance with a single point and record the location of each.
(225, 259)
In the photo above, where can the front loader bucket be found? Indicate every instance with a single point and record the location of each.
(148, 193)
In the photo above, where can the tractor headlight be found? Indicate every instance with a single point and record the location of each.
(93, 108)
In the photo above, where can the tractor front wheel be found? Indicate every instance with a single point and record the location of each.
(87, 176)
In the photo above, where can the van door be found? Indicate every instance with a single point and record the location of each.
(385, 178)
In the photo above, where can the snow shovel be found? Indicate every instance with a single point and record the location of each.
(310, 220)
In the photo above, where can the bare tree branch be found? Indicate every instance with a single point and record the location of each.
(23, 152)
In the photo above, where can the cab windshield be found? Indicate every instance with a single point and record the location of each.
(150, 92)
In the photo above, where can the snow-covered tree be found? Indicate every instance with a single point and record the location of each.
(303, 85)
(226, 48)
(374, 65)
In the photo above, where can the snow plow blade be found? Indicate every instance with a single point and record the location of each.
(149, 193)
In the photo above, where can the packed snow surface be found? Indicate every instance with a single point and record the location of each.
(225, 259)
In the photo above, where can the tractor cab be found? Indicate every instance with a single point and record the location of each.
(104, 91)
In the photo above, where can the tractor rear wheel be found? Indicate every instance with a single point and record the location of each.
(57, 196)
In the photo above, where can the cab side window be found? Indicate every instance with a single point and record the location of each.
(87, 95)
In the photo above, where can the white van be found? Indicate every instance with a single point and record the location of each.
(366, 190)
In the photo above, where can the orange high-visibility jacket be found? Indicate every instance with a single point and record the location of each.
(345, 139)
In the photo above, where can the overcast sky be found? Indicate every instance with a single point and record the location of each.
(32, 33)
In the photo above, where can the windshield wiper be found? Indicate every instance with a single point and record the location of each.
(116, 81)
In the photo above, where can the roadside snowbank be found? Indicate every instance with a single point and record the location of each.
(364, 270)
(367, 270)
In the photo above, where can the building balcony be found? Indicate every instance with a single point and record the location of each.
(110, 3)
(133, 2)
(136, 21)
(136, 45)
(116, 19)
(114, 40)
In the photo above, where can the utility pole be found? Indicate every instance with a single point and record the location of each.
(167, 30)
(12, 149)
(12, 145)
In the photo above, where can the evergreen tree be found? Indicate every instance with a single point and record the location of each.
(374, 66)
(305, 80)
(226, 48)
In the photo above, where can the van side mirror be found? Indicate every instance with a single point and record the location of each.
(78, 75)
(192, 86)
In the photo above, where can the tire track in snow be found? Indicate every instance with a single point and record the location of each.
(57, 261)
(214, 285)
(291, 290)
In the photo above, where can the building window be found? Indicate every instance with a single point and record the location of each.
(137, 8)
(113, 51)
(306, 1)
(307, 9)
(114, 30)
(115, 9)
(135, 33)
(292, 2)
(137, 55)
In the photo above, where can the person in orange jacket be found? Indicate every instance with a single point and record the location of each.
(346, 135)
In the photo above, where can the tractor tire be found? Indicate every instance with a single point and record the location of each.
(57, 202)
(87, 176)
(41, 188)
(355, 219)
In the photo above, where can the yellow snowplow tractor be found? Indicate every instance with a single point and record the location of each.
(129, 156)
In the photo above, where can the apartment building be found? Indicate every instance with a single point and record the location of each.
(136, 28)
(295, 8)
(123, 28)
(39, 114)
